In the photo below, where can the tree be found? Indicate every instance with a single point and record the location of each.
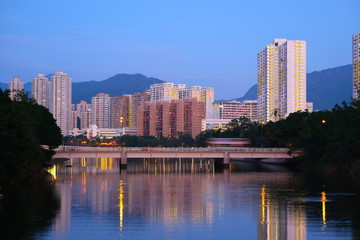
(28, 133)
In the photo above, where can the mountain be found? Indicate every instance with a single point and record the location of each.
(329, 87)
(324, 88)
(251, 94)
(117, 85)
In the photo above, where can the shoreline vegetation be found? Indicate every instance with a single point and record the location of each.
(28, 135)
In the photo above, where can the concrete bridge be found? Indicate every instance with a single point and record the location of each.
(222, 156)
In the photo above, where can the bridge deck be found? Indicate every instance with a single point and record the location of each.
(125, 153)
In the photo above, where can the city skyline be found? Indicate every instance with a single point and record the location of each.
(212, 44)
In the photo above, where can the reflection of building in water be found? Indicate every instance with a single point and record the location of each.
(176, 200)
(86, 183)
(177, 193)
(166, 165)
(62, 222)
(279, 218)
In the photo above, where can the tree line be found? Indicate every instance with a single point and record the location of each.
(28, 135)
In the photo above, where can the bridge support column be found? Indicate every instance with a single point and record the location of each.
(123, 160)
(222, 163)
(226, 160)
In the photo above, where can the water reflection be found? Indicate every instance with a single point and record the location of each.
(186, 198)
(323, 204)
(28, 209)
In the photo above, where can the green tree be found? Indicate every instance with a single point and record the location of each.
(25, 129)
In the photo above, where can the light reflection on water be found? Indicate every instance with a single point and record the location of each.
(189, 199)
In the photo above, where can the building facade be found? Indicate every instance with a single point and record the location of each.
(138, 99)
(61, 90)
(82, 115)
(40, 90)
(165, 91)
(122, 111)
(356, 65)
(100, 110)
(281, 79)
(15, 85)
(169, 119)
(234, 109)
(170, 91)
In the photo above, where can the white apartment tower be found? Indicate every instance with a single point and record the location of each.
(61, 101)
(356, 65)
(41, 90)
(165, 91)
(100, 110)
(15, 85)
(281, 79)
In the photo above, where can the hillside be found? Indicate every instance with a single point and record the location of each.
(117, 85)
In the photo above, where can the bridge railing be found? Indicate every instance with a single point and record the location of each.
(167, 149)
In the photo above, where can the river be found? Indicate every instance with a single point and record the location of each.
(185, 199)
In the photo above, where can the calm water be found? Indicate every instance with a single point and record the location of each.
(182, 200)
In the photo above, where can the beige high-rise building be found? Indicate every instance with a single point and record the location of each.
(41, 90)
(281, 79)
(356, 65)
(61, 90)
(15, 85)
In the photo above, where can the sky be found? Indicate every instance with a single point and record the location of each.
(206, 43)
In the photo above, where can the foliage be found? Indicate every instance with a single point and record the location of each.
(326, 137)
(28, 133)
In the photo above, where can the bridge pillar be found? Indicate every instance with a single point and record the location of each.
(123, 160)
(226, 160)
(222, 163)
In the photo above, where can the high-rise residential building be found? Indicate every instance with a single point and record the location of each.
(122, 111)
(15, 85)
(356, 65)
(168, 119)
(234, 109)
(194, 112)
(281, 79)
(82, 115)
(190, 92)
(165, 91)
(61, 89)
(116, 112)
(127, 111)
(138, 99)
(40, 89)
(208, 97)
(100, 110)
(170, 91)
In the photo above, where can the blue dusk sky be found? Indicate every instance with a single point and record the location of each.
(206, 43)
